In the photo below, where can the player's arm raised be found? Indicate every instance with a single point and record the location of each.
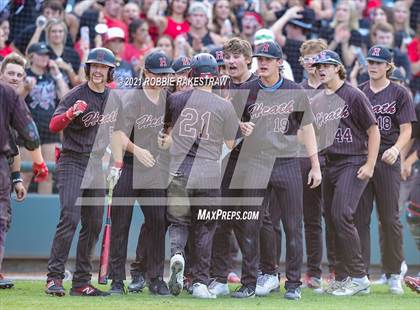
(366, 171)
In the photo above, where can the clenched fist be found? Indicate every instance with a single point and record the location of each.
(78, 108)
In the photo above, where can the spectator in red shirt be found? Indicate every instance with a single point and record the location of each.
(139, 44)
(4, 48)
(413, 52)
(130, 12)
(153, 29)
(175, 23)
(112, 12)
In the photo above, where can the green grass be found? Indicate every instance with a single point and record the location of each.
(30, 295)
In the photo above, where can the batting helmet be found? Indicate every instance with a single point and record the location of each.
(203, 64)
(103, 56)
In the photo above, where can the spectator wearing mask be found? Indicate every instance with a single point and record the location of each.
(124, 71)
(175, 23)
(48, 88)
(297, 23)
(343, 36)
(35, 32)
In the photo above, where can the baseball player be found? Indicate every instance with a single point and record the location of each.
(199, 121)
(80, 115)
(345, 118)
(394, 111)
(137, 176)
(12, 72)
(279, 108)
(312, 198)
(237, 55)
(13, 114)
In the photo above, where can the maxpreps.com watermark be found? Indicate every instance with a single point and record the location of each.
(215, 215)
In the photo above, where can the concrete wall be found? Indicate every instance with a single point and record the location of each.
(35, 219)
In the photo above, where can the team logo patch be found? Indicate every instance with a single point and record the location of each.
(219, 55)
(265, 47)
(162, 62)
(185, 61)
(376, 51)
(100, 56)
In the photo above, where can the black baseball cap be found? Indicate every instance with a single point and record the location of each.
(158, 62)
(379, 53)
(217, 53)
(269, 49)
(327, 57)
(308, 18)
(397, 75)
(40, 48)
(181, 64)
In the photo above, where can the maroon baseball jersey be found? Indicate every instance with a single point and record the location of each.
(200, 122)
(277, 116)
(79, 136)
(13, 113)
(392, 106)
(141, 119)
(343, 118)
(415, 134)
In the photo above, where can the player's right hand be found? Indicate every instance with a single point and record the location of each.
(247, 128)
(365, 172)
(78, 108)
(114, 173)
(144, 156)
(164, 140)
(20, 191)
(40, 171)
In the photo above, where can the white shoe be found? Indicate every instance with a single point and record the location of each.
(394, 283)
(266, 283)
(352, 287)
(335, 285)
(381, 281)
(218, 288)
(176, 276)
(201, 291)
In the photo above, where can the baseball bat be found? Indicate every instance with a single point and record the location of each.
(106, 242)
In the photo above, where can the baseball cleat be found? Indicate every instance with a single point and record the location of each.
(87, 290)
(293, 293)
(176, 277)
(394, 284)
(335, 285)
(266, 284)
(5, 283)
(117, 288)
(311, 282)
(352, 287)
(244, 292)
(218, 288)
(55, 288)
(138, 283)
(159, 287)
(201, 291)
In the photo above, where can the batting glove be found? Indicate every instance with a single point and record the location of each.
(40, 171)
(114, 173)
(78, 108)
